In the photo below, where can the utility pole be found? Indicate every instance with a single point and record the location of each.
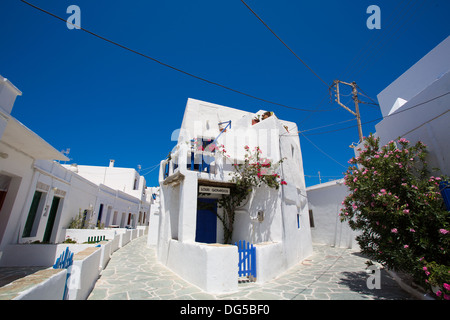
(320, 180)
(355, 99)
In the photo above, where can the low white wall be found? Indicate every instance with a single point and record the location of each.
(83, 273)
(89, 260)
(268, 261)
(37, 255)
(125, 236)
(82, 235)
(50, 289)
(115, 243)
(211, 267)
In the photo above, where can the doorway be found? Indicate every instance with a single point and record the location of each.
(206, 227)
(51, 219)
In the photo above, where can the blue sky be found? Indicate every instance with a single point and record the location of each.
(104, 102)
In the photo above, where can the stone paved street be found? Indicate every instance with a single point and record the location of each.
(134, 273)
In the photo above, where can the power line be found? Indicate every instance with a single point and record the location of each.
(326, 154)
(377, 119)
(169, 66)
(284, 43)
(390, 115)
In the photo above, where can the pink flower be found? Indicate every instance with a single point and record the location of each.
(424, 268)
(446, 296)
(383, 191)
(443, 231)
(283, 182)
(394, 230)
(412, 230)
(406, 246)
(406, 211)
(446, 286)
(438, 293)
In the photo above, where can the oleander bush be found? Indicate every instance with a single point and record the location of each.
(398, 209)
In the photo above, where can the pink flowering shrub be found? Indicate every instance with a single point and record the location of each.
(400, 212)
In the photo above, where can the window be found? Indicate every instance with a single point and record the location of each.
(298, 220)
(36, 205)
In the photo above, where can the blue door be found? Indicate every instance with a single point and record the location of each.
(206, 230)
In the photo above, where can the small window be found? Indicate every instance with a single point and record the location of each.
(298, 220)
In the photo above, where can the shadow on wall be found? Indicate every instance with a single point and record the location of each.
(256, 221)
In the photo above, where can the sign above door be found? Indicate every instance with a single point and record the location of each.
(214, 190)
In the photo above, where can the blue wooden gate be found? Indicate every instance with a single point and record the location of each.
(64, 261)
(247, 259)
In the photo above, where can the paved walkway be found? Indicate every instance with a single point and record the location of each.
(133, 273)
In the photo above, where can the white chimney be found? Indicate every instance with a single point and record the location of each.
(111, 163)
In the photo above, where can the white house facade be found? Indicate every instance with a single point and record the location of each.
(190, 238)
(416, 106)
(130, 206)
(324, 203)
(20, 148)
(39, 197)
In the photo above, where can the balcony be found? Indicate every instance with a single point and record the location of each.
(184, 158)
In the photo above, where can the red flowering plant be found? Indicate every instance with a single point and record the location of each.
(257, 170)
(247, 176)
(398, 209)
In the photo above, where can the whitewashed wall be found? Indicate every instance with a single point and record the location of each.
(325, 202)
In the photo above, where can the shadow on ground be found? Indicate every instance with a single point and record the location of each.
(379, 285)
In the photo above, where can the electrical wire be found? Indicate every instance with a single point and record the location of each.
(284, 43)
(377, 119)
(326, 154)
(168, 65)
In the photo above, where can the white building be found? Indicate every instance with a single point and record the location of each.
(155, 211)
(276, 221)
(416, 106)
(39, 197)
(130, 207)
(324, 203)
(20, 148)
